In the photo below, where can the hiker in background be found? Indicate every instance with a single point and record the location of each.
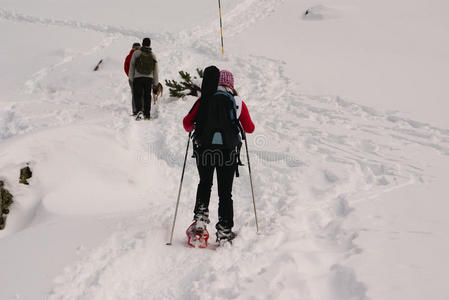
(136, 46)
(217, 135)
(144, 75)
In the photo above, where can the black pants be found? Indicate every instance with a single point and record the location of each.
(225, 167)
(142, 87)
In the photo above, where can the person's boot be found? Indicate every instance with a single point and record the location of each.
(200, 222)
(139, 116)
(224, 234)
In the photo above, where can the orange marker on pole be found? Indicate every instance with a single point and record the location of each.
(221, 27)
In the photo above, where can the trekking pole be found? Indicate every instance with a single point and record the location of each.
(251, 181)
(221, 27)
(179, 192)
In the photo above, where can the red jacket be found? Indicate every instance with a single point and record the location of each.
(245, 118)
(128, 61)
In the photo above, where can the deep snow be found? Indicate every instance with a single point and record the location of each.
(391, 55)
(350, 193)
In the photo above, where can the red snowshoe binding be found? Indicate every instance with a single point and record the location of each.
(197, 235)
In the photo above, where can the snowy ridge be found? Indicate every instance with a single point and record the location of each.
(19, 17)
(313, 158)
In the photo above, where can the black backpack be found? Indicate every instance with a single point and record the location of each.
(216, 124)
(145, 62)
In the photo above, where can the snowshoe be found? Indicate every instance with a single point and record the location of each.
(197, 235)
(139, 116)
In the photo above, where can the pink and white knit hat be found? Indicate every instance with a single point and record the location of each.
(226, 79)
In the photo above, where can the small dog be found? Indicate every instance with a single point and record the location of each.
(159, 92)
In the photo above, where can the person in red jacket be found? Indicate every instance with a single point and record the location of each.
(216, 83)
(136, 46)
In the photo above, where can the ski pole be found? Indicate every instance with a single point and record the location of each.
(221, 27)
(179, 192)
(251, 180)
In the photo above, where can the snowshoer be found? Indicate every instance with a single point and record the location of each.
(136, 46)
(217, 117)
(144, 74)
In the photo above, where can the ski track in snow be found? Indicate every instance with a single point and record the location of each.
(305, 172)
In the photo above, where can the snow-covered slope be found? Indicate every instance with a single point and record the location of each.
(391, 55)
(346, 193)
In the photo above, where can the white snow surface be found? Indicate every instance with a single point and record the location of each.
(349, 156)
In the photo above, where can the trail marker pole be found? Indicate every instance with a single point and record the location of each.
(221, 27)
